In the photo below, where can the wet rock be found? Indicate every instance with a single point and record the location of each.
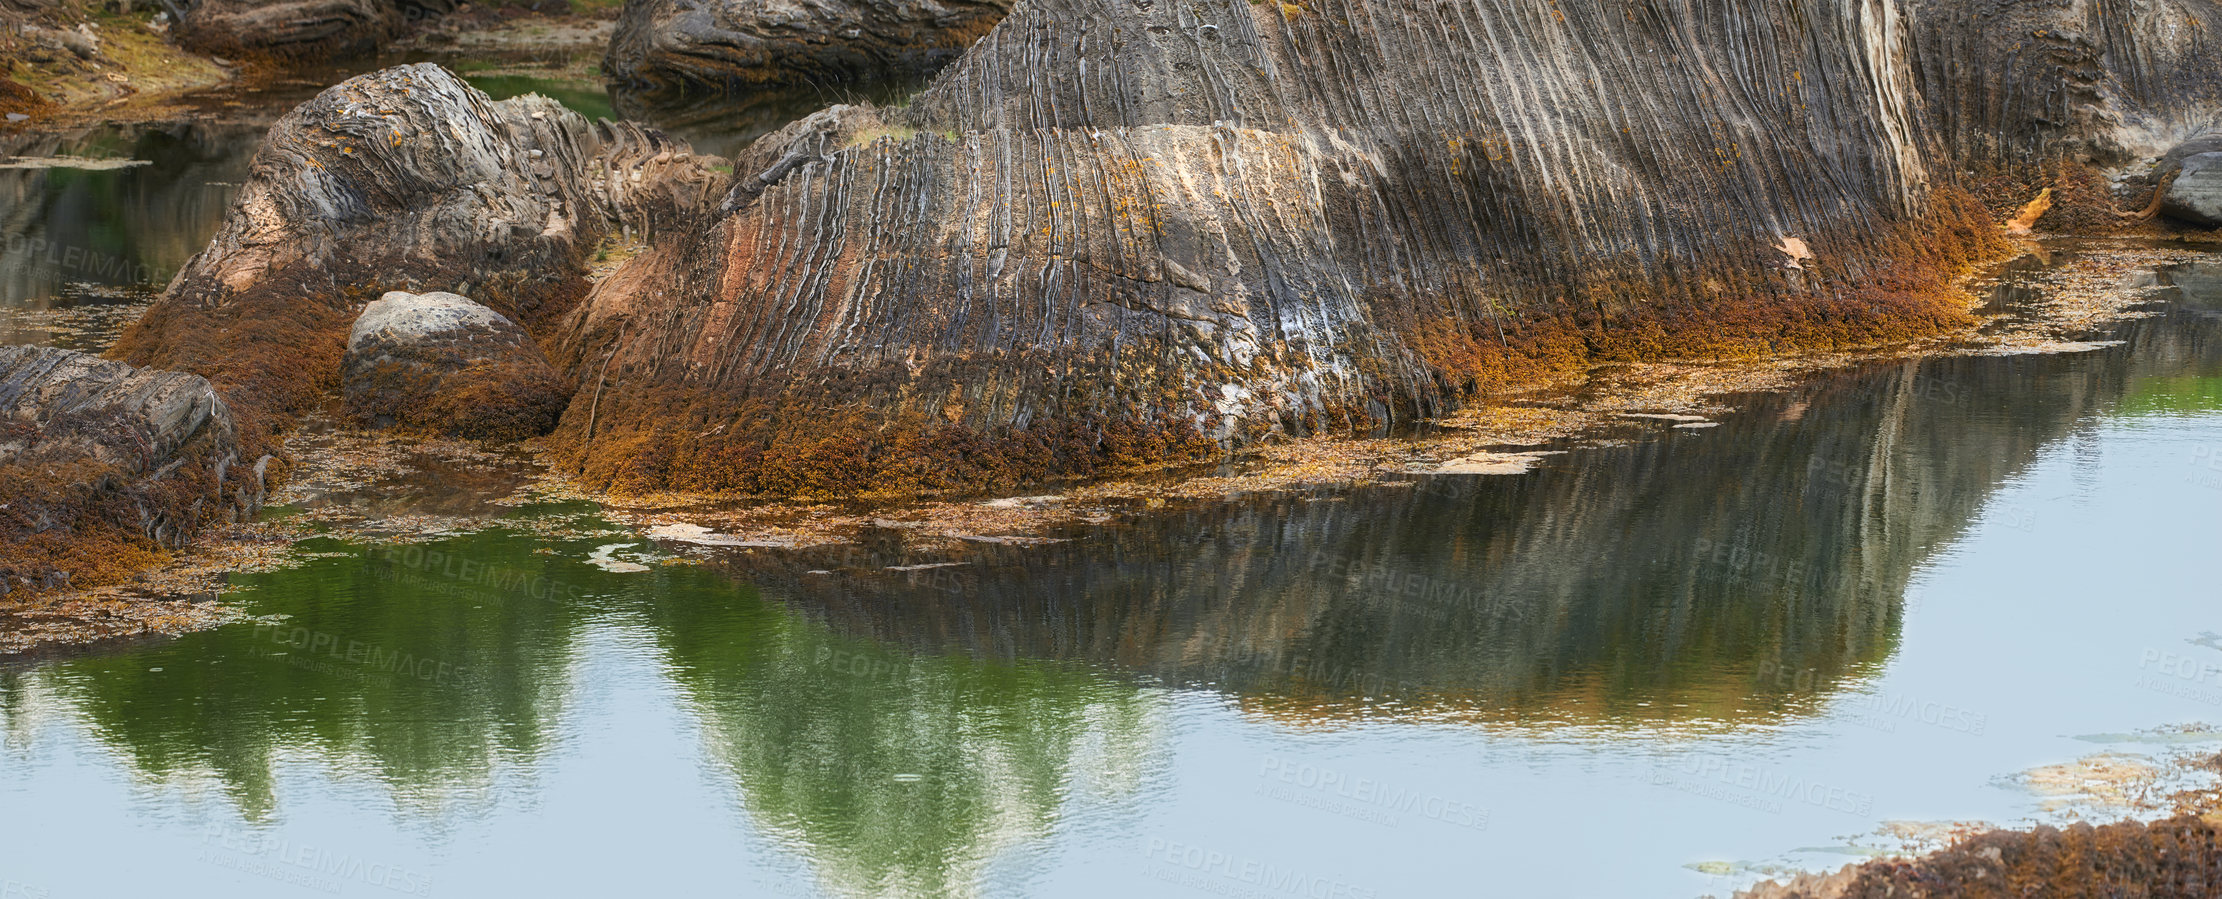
(99, 459)
(403, 179)
(300, 31)
(661, 46)
(2194, 191)
(438, 363)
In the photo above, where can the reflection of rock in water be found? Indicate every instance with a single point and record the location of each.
(1732, 574)
(124, 226)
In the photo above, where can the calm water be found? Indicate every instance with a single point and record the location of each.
(1866, 599)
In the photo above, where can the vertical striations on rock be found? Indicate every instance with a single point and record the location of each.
(1117, 230)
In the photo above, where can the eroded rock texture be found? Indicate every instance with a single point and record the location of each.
(1114, 228)
(99, 459)
(405, 179)
(439, 363)
(300, 30)
(664, 46)
(2015, 80)
(2194, 190)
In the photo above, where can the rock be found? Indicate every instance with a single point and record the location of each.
(2194, 191)
(439, 363)
(403, 179)
(661, 46)
(1118, 231)
(299, 31)
(100, 460)
(2007, 82)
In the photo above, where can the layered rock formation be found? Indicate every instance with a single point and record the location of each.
(1124, 230)
(439, 363)
(407, 179)
(100, 461)
(664, 46)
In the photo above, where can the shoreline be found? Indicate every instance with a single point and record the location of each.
(1504, 435)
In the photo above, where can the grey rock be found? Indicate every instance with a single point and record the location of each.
(2195, 194)
(62, 404)
(440, 363)
(92, 450)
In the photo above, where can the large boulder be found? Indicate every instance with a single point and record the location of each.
(662, 46)
(2194, 191)
(101, 461)
(438, 363)
(1118, 231)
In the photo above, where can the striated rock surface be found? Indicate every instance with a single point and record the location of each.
(439, 363)
(100, 461)
(300, 30)
(2194, 191)
(664, 46)
(2009, 81)
(1128, 230)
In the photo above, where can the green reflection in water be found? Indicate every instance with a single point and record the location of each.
(2181, 395)
(433, 667)
(898, 774)
(423, 665)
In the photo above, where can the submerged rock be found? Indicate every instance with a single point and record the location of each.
(663, 45)
(2194, 191)
(99, 459)
(439, 363)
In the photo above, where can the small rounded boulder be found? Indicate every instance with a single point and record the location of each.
(438, 363)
